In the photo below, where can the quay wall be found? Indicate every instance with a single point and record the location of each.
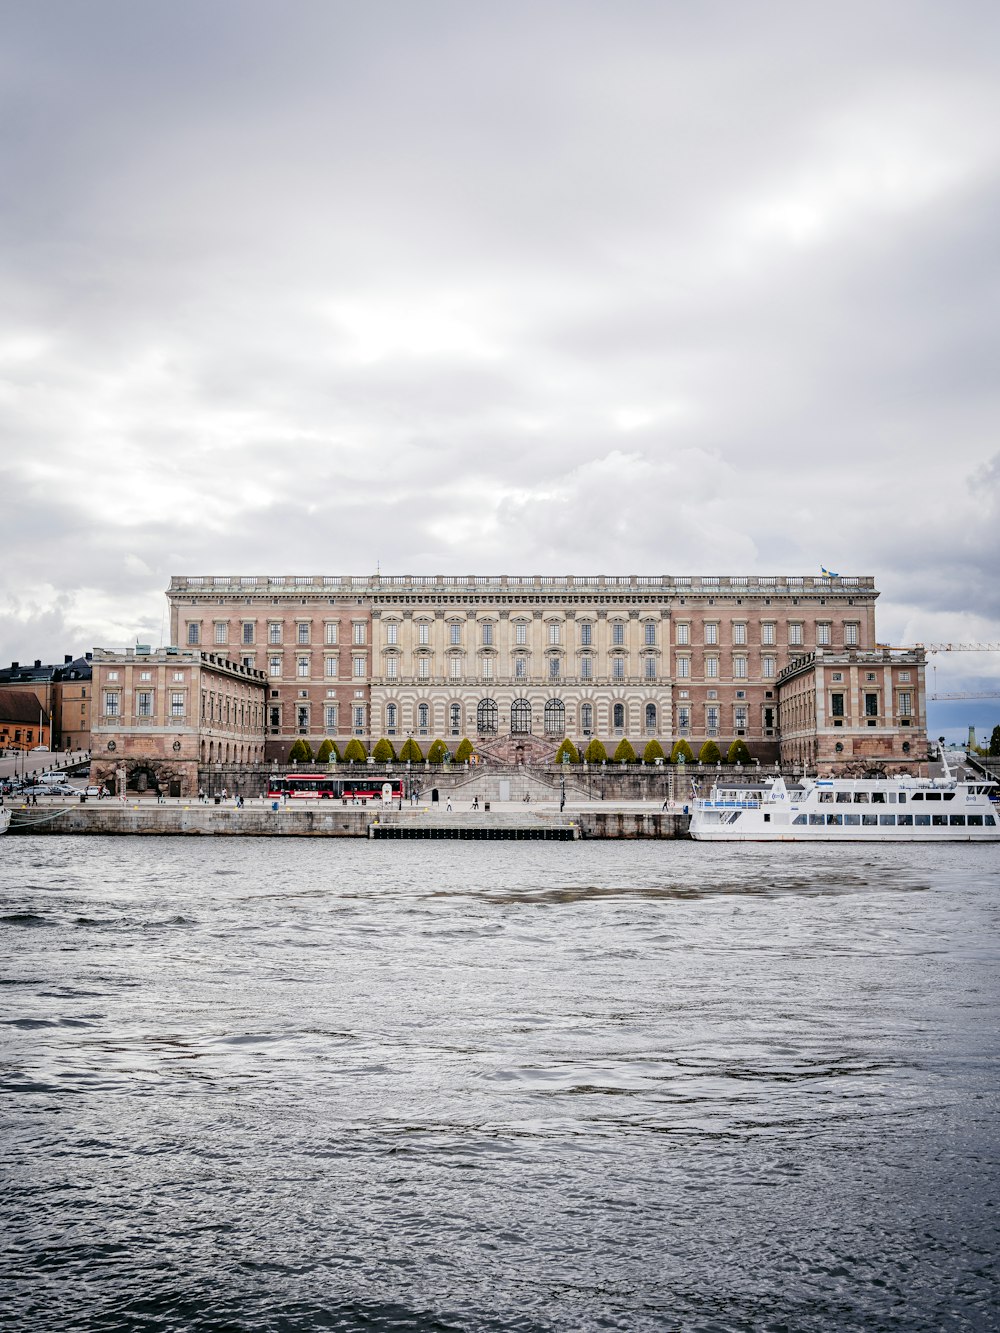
(113, 818)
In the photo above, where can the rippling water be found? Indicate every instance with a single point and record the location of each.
(523, 1086)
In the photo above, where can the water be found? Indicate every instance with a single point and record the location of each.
(307, 1085)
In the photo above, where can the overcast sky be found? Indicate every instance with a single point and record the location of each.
(453, 287)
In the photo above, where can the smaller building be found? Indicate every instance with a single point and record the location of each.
(854, 710)
(24, 722)
(163, 716)
(62, 691)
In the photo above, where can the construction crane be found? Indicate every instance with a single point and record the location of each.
(986, 694)
(958, 647)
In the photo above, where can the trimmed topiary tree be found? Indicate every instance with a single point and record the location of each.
(652, 752)
(464, 751)
(709, 753)
(327, 753)
(681, 750)
(383, 752)
(569, 748)
(411, 752)
(595, 752)
(438, 752)
(355, 751)
(301, 752)
(624, 753)
(738, 752)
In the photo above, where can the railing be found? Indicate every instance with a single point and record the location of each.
(667, 583)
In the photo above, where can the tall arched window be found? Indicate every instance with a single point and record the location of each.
(423, 716)
(587, 718)
(487, 717)
(555, 718)
(619, 717)
(456, 719)
(391, 713)
(520, 717)
(651, 717)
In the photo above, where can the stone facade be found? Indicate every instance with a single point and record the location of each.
(528, 657)
(163, 715)
(62, 691)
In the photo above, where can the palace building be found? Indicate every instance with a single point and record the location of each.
(516, 663)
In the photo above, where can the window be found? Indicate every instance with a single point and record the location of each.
(618, 633)
(768, 666)
(194, 632)
(684, 717)
(274, 633)
(870, 677)
(423, 634)
(455, 714)
(455, 667)
(520, 668)
(392, 668)
(520, 717)
(795, 633)
(618, 668)
(740, 667)
(144, 704)
(392, 633)
(904, 676)
(275, 714)
(302, 666)
(302, 631)
(683, 634)
(330, 633)
(651, 717)
(145, 675)
(711, 667)
(823, 634)
(177, 705)
(871, 705)
(302, 717)
(711, 632)
(330, 716)
(520, 632)
(649, 633)
(554, 668)
(359, 666)
(586, 634)
(455, 633)
(248, 632)
(836, 676)
(178, 675)
(587, 718)
(739, 632)
(554, 632)
(905, 700)
(423, 716)
(359, 634)
(837, 704)
(111, 702)
(712, 717)
(487, 633)
(221, 632)
(274, 666)
(331, 666)
(768, 633)
(852, 632)
(555, 718)
(424, 668)
(487, 717)
(586, 668)
(618, 717)
(740, 717)
(487, 668)
(683, 667)
(649, 667)
(359, 717)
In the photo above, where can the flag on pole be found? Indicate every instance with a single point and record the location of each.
(828, 573)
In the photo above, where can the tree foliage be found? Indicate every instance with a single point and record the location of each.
(567, 748)
(595, 752)
(354, 751)
(681, 750)
(624, 752)
(464, 751)
(652, 752)
(438, 752)
(383, 752)
(411, 752)
(709, 753)
(738, 752)
(301, 752)
(327, 753)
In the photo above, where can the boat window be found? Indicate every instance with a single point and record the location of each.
(989, 821)
(905, 819)
(843, 796)
(852, 819)
(869, 819)
(826, 796)
(887, 819)
(975, 821)
(816, 819)
(835, 819)
(878, 798)
(932, 796)
(892, 798)
(800, 819)
(948, 796)
(922, 820)
(918, 796)
(958, 819)
(861, 796)
(902, 798)
(939, 820)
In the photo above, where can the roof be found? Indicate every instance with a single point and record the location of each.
(20, 706)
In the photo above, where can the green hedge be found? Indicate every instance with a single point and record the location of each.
(624, 753)
(383, 752)
(411, 752)
(355, 751)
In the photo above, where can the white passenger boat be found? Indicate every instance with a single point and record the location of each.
(4, 820)
(900, 809)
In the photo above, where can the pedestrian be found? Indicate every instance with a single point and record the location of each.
(475, 802)
(448, 806)
(201, 795)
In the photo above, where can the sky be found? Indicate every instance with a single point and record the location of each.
(449, 287)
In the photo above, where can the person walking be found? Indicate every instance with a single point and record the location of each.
(448, 805)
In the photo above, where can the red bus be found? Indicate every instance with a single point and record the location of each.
(306, 787)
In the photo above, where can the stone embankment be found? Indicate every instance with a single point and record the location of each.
(333, 821)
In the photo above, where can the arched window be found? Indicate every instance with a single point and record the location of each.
(555, 718)
(486, 717)
(456, 719)
(651, 717)
(391, 713)
(520, 717)
(587, 718)
(423, 716)
(619, 716)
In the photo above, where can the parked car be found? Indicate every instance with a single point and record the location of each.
(62, 789)
(91, 791)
